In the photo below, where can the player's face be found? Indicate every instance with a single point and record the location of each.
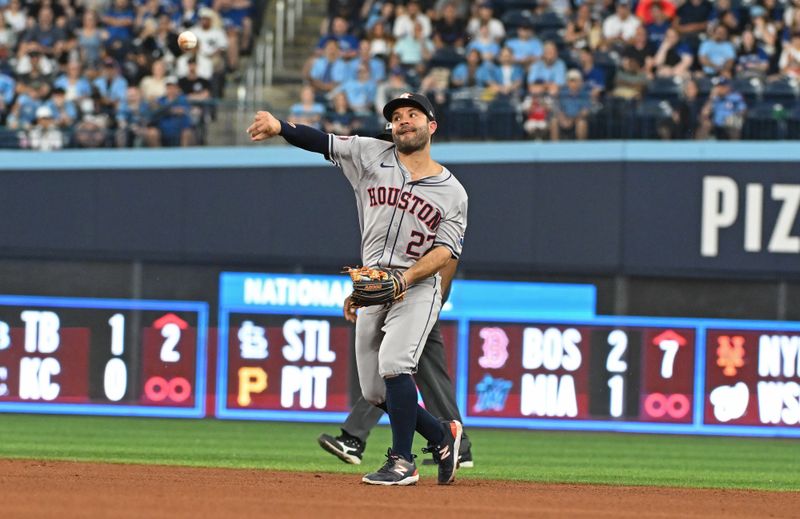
(411, 129)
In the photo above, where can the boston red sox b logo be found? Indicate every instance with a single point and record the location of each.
(495, 348)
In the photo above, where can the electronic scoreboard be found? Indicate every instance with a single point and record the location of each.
(102, 356)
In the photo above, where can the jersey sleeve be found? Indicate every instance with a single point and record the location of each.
(353, 155)
(452, 229)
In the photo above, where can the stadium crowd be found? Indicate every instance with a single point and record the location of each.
(555, 69)
(109, 73)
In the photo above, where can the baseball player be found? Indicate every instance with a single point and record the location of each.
(432, 380)
(413, 216)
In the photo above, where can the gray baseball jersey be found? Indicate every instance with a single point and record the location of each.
(400, 220)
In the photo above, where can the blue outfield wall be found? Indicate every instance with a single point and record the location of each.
(636, 208)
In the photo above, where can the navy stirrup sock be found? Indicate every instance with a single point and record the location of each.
(401, 404)
(429, 427)
(406, 416)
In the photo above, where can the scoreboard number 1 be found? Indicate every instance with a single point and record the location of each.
(115, 378)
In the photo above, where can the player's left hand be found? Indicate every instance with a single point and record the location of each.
(350, 309)
(265, 126)
(376, 285)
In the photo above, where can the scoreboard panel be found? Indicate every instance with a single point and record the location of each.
(522, 355)
(752, 377)
(102, 356)
(580, 372)
(286, 352)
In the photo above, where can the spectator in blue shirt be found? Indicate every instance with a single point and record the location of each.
(549, 70)
(485, 44)
(172, 116)
(23, 113)
(724, 111)
(74, 84)
(111, 86)
(65, 113)
(329, 70)
(360, 92)
(377, 68)
(573, 106)
(525, 46)
(307, 111)
(473, 73)
(751, 60)
(506, 78)
(348, 44)
(50, 38)
(7, 89)
(134, 127)
(594, 77)
(657, 30)
(717, 55)
(119, 22)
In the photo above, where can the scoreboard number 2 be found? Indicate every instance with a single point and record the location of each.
(172, 335)
(618, 340)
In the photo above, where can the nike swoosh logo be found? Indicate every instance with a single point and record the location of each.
(387, 165)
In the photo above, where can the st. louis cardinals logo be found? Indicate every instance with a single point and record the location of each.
(405, 201)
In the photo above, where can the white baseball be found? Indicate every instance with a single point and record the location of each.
(187, 40)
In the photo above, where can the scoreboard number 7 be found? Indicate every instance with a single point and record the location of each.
(669, 342)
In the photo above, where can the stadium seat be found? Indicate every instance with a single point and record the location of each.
(9, 139)
(548, 20)
(793, 123)
(784, 90)
(503, 6)
(445, 57)
(649, 114)
(750, 88)
(704, 86)
(464, 119)
(761, 124)
(555, 36)
(503, 120)
(619, 115)
(605, 61)
(513, 18)
(665, 89)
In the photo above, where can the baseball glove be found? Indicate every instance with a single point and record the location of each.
(376, 285)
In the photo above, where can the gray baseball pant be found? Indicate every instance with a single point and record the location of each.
(433, 382)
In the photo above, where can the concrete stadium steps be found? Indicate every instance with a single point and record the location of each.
(287, 80)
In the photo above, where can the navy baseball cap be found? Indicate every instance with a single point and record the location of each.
(409, 99)
(386, 134)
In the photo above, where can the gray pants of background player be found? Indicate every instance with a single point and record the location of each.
(433, 382)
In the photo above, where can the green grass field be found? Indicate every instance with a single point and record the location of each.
(550, 457)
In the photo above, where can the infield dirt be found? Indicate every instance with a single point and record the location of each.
(32, 488)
